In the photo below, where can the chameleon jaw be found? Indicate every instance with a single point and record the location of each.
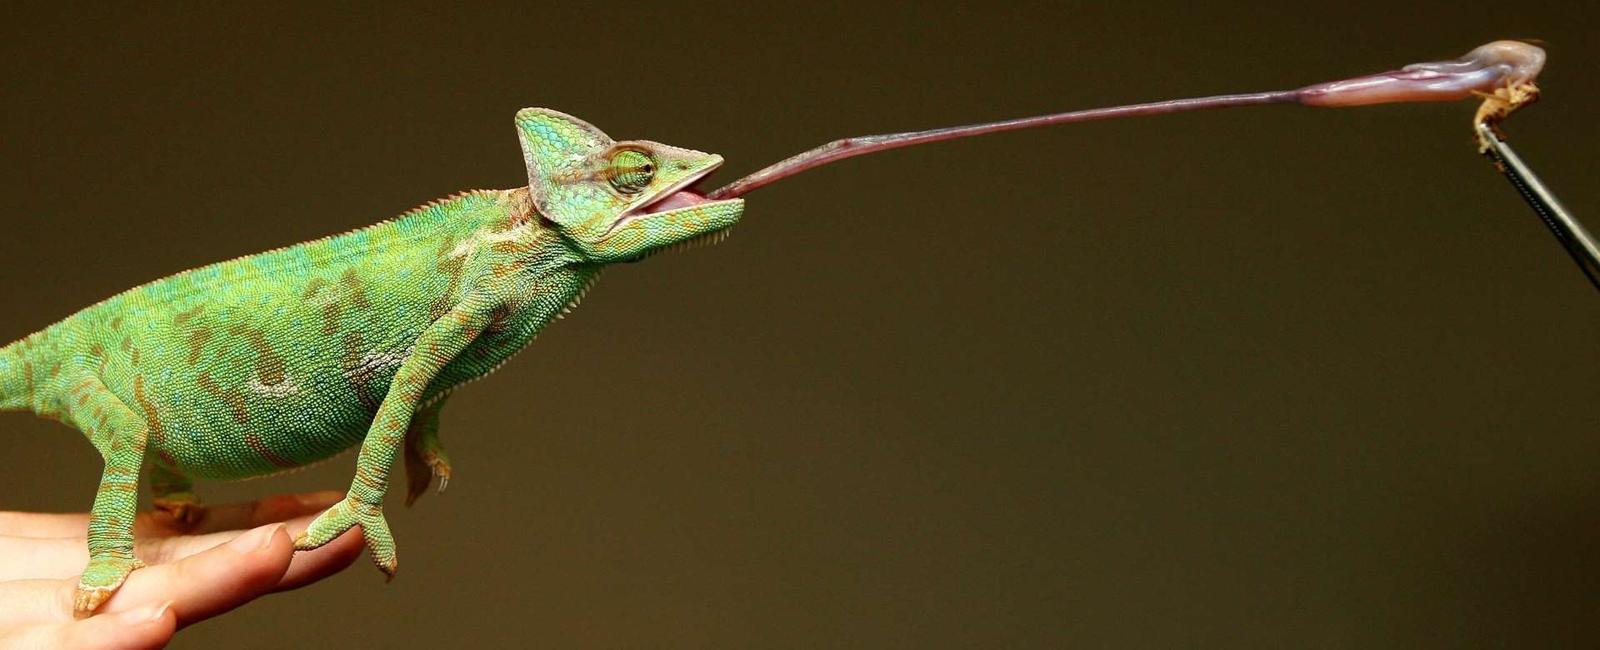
(674, 218)
(670, 200)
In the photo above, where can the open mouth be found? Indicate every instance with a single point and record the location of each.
(674, 200)
(679, 196)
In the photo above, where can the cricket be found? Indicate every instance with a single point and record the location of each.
(269, 362)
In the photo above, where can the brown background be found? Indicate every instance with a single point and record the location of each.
(1265, 377)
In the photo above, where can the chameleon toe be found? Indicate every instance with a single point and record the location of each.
(99, 581)
(87, 599)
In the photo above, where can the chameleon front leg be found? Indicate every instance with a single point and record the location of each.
(120, 435)
(174, 496)
(363, 504)
(425, 455)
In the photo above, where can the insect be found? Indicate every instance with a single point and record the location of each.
(272, 361)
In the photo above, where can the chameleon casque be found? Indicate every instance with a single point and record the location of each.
(269, 362)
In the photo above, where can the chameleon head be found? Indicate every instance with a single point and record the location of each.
(617, 201)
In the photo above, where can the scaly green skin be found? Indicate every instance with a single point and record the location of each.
(273, 361)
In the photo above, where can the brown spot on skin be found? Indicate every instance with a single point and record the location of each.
(120, 443)
(522, 209)
(360, 378)
(450, 267)
(27, 379)
(364, 475)
(503, 270)
(189, 315)
(151, 419)
(197, 344)
(269, 366)
(116, 324)
(314, 286)
(499, 319)
(330, 318)
(132, 352)
(233, 399)
(99, 352)
(255, 443)
(55, 369)
(356, 291)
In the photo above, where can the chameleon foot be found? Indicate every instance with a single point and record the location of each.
(421, 468)
(348, 514)
(183, 510)
(101, 579)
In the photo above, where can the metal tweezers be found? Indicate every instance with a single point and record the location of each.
(1572, 235)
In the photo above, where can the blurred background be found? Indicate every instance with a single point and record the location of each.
(1265, 377)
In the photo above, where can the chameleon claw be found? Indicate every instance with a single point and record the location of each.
(184, 512)
(85, 601)
(99, 581)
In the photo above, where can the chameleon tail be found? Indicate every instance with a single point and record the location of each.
(16, 378)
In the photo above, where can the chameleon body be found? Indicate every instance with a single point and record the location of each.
(273, 361)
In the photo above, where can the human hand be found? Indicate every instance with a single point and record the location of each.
(191, 576)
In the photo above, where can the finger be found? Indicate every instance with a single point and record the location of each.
(252, 514)
(214, 581)
(26, 558)
(29, 602)
(165, 550)
(35, 524)
(326, 560)
(249, 514)
(150, 626)
(29, 558)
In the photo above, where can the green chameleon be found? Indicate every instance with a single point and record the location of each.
(273, 361)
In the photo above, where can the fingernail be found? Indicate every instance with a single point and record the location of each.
(255, 540)
(145, 614)
(319, 500)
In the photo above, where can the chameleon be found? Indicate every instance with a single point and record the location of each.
(273, 361)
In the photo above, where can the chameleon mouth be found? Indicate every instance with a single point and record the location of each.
(678, 196)
(684, 198)
(682, 195)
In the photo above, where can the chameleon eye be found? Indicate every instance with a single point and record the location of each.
(631, 171)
